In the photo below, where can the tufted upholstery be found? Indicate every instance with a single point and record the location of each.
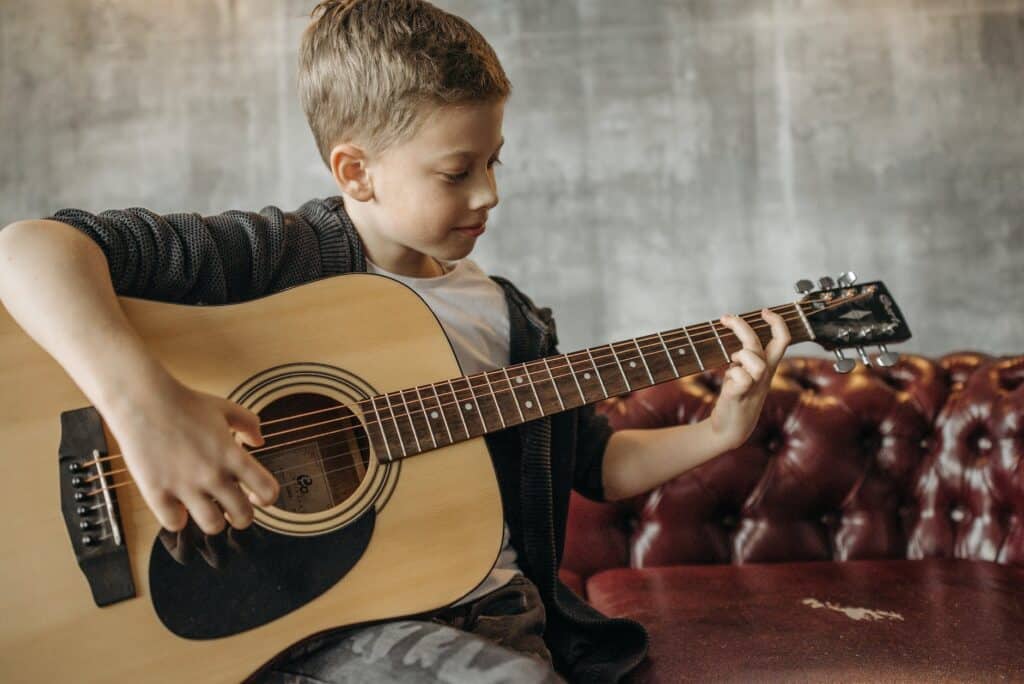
(915, 461)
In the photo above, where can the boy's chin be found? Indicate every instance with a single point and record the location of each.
(455, 252)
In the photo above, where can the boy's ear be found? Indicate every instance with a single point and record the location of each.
(348, 164)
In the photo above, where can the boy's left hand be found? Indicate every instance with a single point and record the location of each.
(748, 379)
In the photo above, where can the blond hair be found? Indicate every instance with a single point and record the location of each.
(367, 67)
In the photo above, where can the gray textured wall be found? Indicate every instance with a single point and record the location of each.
(667, 161)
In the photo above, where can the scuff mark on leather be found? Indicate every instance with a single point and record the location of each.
(854, 613)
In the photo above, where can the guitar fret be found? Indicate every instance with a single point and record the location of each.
(800, 311)
(512, 391)
(644, 360)
(457, 404)
(724, 352)
(529, 376)
(479, 413)
(444, 418)
(582, 372)
(381, 425)
(558, 394)
(494, 397)
(526, 385)
(671, 362)
(425, 418)
(635, 375)
(598, 373)
(376, 420)
(697, 355)
(481, 393)
(418, 418)
(659, 368)
(615, 355)
(564, 379)
(408, 415)
(572, 373)
(401, 441)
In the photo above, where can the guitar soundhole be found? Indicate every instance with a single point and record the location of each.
(316, 448)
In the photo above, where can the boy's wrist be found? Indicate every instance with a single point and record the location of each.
(124, 382)
(718, 441)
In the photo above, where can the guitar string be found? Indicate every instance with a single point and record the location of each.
(358, 427)
(756, 326)
(726, 335)
(441, 405)
(312, 438)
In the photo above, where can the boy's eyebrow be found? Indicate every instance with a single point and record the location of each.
(469, 153)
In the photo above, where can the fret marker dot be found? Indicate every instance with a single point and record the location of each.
(519, 380)
(529, 404)
(469, 407)
(433, 414)
(586, 376)
(682, 351)
(632, 364)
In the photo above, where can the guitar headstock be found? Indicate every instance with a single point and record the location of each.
(847, 316)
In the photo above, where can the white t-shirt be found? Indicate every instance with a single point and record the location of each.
(474, 315)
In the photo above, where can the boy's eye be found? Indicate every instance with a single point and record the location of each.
(456, 177)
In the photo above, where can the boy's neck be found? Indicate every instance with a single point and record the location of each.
(391, 258)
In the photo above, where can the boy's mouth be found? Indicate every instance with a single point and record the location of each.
(472, 230)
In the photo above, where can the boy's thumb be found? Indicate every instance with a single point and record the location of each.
(244, 422)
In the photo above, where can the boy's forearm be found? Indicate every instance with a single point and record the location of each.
(55, 283)
(636, 461)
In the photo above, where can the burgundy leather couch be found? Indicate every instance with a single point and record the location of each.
(871, 529)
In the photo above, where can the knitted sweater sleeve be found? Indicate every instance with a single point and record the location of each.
(229, 257)
(593, 433)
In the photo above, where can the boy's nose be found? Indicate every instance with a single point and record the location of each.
(485, 194)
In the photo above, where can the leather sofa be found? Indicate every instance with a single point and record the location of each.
(870, 529)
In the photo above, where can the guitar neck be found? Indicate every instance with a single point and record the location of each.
(411, 421)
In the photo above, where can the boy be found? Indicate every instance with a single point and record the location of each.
(406, 105)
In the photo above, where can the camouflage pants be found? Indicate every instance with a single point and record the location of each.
(496, 639)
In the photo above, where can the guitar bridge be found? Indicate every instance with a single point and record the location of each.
(89, 506)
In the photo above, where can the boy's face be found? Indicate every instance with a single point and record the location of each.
(427, 190)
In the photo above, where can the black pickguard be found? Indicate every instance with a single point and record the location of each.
(223, 585)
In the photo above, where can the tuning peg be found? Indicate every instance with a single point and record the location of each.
(804, 286)
(826, 283)
(886, 358)
(848, 278)
(843, 364)
(864, 356)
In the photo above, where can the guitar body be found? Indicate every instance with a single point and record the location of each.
(425, 531)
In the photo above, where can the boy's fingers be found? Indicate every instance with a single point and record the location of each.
(207, 514)
(743, 332)
(257, 479)
(235, 504)
(753, 364)
(741, 379)
(169, 511)
(244, 422)
(780, 337)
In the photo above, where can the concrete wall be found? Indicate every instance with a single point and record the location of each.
(667, 160)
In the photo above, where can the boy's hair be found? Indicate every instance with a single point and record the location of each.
(366, 67)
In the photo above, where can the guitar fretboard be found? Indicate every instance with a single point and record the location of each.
(411, 421)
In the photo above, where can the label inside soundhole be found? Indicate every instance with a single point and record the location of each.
(317, 450)
(303, 479)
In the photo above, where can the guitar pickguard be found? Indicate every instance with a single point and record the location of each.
(240, 579)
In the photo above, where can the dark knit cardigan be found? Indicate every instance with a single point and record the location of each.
(237, 256)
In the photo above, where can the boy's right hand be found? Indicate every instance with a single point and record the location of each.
(178, 446)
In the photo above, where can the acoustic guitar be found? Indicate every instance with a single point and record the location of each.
(389, 503)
